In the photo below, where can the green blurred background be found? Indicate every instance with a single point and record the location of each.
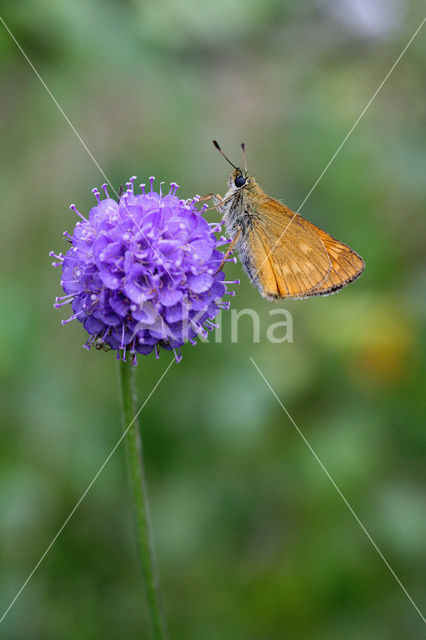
(253, 541)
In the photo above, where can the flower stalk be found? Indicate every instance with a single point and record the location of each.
(138, 488)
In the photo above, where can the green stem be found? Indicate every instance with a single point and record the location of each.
(138, 488)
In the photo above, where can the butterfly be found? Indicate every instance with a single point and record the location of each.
(284, 255)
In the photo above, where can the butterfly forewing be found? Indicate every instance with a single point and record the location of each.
(292, 258)
(288, 255)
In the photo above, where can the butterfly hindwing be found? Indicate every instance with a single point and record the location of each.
(346, 265)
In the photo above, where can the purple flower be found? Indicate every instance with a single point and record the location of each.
(141, 272)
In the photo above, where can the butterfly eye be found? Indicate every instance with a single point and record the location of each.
(239, 181)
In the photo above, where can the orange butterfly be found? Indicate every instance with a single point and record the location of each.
(284, 255)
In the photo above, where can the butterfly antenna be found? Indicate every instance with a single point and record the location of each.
(243, 149)
(216, 144)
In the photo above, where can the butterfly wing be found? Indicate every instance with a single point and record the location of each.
(282, 253)
(346, 265)
(288, 257)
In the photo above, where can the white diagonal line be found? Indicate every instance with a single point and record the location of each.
(78, 136)
(344, 141)
(92, 482)
(340, 493)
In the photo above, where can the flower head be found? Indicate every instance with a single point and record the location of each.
(141, 273)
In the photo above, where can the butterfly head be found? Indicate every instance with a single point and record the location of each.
(239, 177)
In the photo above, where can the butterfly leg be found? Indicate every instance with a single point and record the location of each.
(209, 196)
(217, 199)
(225, 257)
